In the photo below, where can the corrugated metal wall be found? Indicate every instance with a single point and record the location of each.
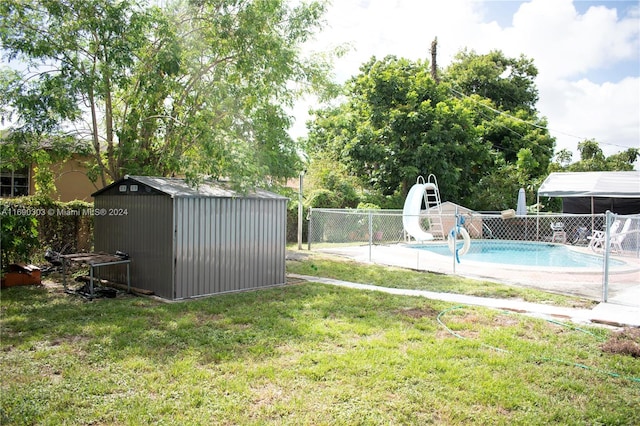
(228, 244)
(145, 232)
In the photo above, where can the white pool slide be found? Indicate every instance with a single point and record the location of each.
(412, 208)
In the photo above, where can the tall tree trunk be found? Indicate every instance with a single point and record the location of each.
(111, 157)
(96, 137)
(434, 62)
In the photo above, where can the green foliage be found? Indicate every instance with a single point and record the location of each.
(562, 160)
(331, 186)
(324, 198)
(393, 201)
(508, 134)
(592, 159)
(508, 82)
(292, 223)
(30, 225)
(19, 236)
(195, 88)
(368, 206)
(44, 181)
(498, 190)
(526, 163)
(397, 123)
(623, 161)
(292, 215)
(67, 227)
(591, 156)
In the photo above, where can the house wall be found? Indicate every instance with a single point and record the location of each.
(70, 179)
(228, 244)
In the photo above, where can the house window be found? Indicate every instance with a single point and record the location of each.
(14, 183)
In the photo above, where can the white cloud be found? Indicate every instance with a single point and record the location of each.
(404, 28)
(606, 112)
(565, 45)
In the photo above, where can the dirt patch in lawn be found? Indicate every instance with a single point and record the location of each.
(624, 342)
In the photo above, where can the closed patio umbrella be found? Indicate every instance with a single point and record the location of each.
(521, 209)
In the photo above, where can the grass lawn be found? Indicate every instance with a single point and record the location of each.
(341, 269)
(305, 353)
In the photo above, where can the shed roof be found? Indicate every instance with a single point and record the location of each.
(179, 188)
(451, 207)
(592, 184)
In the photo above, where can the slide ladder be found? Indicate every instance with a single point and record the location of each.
(427, 194)
(434, 206)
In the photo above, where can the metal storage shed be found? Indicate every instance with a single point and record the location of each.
(187, 242)
(594, 192)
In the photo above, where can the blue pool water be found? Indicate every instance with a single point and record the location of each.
(523, 253)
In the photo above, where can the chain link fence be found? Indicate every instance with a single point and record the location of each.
(557, 252)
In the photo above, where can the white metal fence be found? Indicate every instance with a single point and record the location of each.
(596, 256)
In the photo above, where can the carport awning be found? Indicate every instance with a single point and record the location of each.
(592, 184)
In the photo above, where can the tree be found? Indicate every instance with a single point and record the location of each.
(593, 159)
(509, 134)
(330, 186)
(498, 190)
(508, 82)
(78, 53)
(397, 124)
(591, 156)
(506, 97)
(623, 161)
(198, 88)
(563, 159)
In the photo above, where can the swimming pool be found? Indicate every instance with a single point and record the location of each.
(523, 253)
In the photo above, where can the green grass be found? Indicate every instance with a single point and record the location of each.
(347, 270)
(300, 354)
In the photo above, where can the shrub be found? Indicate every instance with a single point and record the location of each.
(32, 224)
(19, 237)
(292, 222)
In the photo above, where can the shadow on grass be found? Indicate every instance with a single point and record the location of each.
(216, 328)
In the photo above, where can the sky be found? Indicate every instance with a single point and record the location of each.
(587, 54)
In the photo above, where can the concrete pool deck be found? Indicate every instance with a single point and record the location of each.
(624, 281)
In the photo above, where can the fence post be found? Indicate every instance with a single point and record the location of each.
(309, 234)
(300, 212)
(370, 234)
(607, 252)
(454, 235)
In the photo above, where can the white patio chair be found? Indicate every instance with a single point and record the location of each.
(616, 238)
(596, 239)
(558, 232)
